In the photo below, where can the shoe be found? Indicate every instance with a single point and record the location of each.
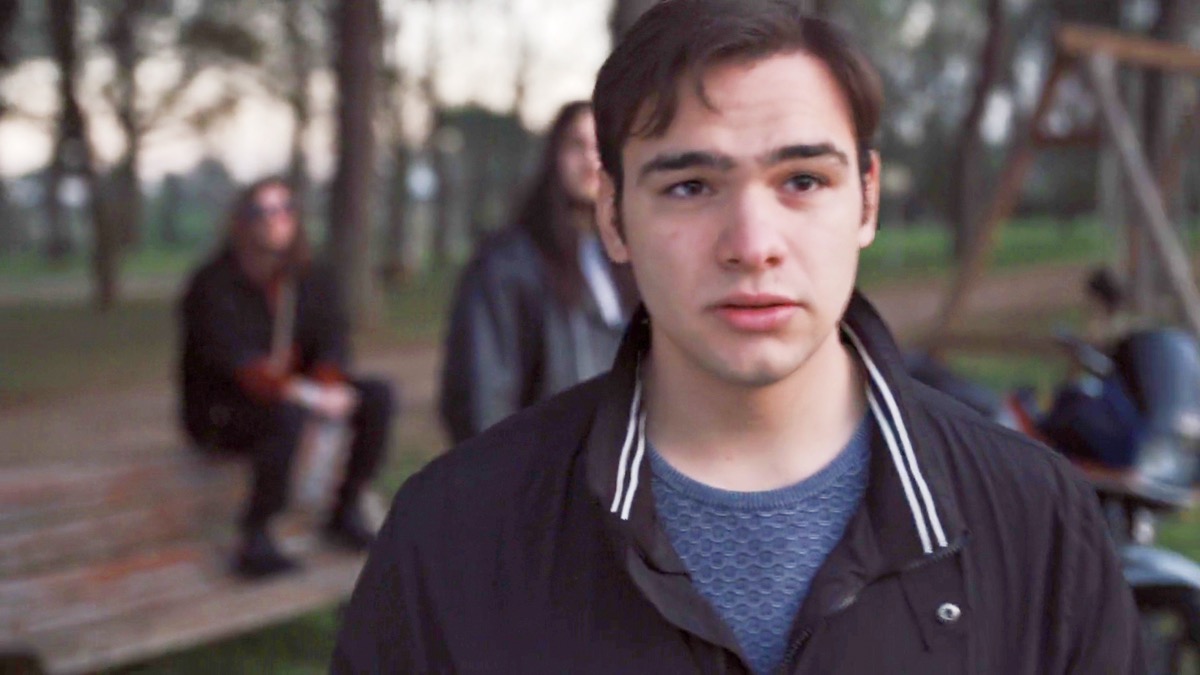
(347, 529)
(259, 558)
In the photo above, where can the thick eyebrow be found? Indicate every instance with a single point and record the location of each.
(679, 161)
(804, 151)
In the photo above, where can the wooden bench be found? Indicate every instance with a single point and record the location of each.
(107, 565)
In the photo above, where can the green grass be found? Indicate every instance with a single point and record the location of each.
(924, 251)
(302, 646)
(56, 349)
(147, 262)
(418, 312)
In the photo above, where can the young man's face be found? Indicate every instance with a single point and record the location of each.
(744, 222)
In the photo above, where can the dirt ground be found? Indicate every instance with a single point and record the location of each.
(139, 421)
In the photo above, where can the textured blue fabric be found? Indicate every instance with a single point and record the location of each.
(754, 554)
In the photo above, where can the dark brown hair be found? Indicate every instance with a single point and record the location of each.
(680, 40)
(243, 213)
(545, 215)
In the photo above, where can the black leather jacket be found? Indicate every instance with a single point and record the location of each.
(511, 342)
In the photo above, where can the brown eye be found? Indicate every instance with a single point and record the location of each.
(685, 189)
(804, 182)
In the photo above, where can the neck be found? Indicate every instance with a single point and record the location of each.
(582, 217)
(258, 264)
(754, 438)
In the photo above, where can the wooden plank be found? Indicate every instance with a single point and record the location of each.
(48, 495)
(110, 534)
(1004, 201)
(1083, 42)
(170, 573)
(1101, 75)
(80, 594)
(105, 565)
(227, 608)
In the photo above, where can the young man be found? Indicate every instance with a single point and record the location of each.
(265, 348)
(757, 485)
(540, 308)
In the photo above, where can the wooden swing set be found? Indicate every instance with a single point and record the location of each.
(1094, 54)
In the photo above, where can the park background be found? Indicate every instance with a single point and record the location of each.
(408, 126)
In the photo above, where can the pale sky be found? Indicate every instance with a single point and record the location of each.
(479, 45)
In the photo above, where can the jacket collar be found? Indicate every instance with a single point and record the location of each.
(909, 511)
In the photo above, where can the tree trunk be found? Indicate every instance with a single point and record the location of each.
(968, 158)
(1157, 103)
(170, 203)
(1160, 97)
(127, 207)
(72, 156)
(357, 62)
(299, 48)
(12, 227)
(453, 207)
(13, 236)
(394, 269)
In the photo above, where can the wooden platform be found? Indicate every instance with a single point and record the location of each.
(109, 565)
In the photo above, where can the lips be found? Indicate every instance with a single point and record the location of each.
(756, 312)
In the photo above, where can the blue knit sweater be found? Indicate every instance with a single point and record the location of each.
(754, 554)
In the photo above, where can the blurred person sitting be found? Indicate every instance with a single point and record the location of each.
(265, 349)
(540, 308)
(1108, 315)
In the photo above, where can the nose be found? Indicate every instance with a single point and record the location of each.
(752, 239)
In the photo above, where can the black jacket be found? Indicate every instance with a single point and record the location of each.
(975, 551)
(227, 325)
(511, 342)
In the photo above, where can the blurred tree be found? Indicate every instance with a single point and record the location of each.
(1160, 107)
(62, 15)
(357, 39)
(72, 157)
(442, 144)
(299, 17)
(122, 39)
(219, 34)
(12, 231)
(170, 200)
(393, 265)
(969, 151)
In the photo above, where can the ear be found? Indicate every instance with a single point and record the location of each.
(608, 220)
(870, 220)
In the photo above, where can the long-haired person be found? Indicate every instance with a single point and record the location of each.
(265, 348)
(540, 308)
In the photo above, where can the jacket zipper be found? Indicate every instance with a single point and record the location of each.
(847, 602)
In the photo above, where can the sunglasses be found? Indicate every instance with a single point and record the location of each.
(258, 211)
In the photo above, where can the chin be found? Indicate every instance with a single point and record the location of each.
(757, 373)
